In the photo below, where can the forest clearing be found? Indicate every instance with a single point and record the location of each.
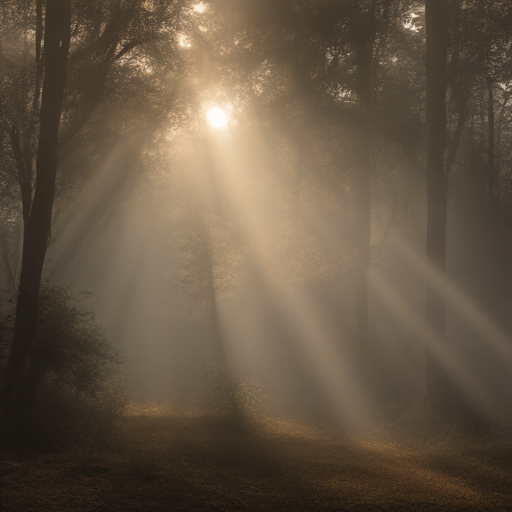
(165, 461)
(282, 228)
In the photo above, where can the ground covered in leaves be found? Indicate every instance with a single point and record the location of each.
(191, 462)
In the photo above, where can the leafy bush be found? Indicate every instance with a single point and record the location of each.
(73, 368)
(228, 394)
(81, 359)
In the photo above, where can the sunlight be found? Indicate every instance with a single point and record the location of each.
(200, 7)
(495, 336)
(451, 360)
(216, 117)
(184, 41)
(410, 24)
(300, 328)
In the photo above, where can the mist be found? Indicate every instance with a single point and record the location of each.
(268, 239)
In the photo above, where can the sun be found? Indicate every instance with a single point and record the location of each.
(216, 117)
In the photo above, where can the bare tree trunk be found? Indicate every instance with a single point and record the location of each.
(213, 311)
(24, 168)
(363, 180)
(38, 225)
(39, 56)
(491, 185)
(506, 99)
(437, 16)
(459, 94)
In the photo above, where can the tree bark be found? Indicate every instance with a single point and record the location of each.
(39, 57)
(436, 18)
(38, 225)
(459, 93)
(24, 172)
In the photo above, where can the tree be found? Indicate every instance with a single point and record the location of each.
(38, 223)
(436, 19)
(325, 51)
(111, 42)
(477, 68)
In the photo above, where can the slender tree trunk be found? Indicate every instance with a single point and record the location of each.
(39, 56)
(459, 94)
(454, 146)
(362, 207)
(225, 377)
(213, 311)
(437, 16)
(38, 225)
(491, 185)
(24, 171)
(506, 99)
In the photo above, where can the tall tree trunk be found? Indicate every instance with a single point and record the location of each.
(225, 378)
(506, 98)
(38, 225)
(7, 264)
(459, 94)
(212, 308)
(39, 56)
(436, 17)
(363, 178)
(491, 185)
(24, 168)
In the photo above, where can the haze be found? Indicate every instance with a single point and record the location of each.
(286, 215)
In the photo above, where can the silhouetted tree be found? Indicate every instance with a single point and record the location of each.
(437, 22)
(109, 44)
(38, 223)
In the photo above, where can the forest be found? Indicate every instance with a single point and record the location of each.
(255, 255)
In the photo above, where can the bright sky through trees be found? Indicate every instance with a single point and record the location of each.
(200, 7)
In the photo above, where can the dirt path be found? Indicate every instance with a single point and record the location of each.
(186, 463)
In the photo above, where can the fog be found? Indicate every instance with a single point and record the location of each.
(255, 255)
(283, 268)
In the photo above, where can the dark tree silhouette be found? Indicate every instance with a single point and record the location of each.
(436, 19)
(364, 40)
(38, 223)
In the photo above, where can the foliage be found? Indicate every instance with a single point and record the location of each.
(80, 386)
(288, 72)
(83, 454)
(81, 358)
(228, 394)
(123, 71)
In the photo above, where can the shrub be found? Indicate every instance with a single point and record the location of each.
(228, 394)
(73, 373)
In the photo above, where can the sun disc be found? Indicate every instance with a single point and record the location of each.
(216, 117)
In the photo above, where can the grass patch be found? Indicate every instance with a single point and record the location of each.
(144, 461)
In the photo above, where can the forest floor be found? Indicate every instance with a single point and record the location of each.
(192, 462)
